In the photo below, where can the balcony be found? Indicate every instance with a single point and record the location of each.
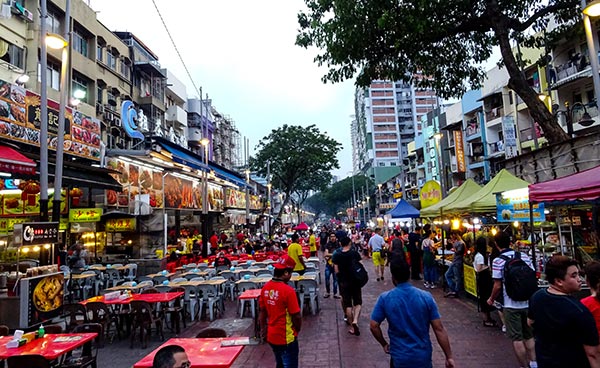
(569, 72)
(493, 114)
(496, 148)
(176, 114)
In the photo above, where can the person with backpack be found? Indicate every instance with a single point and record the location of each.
(512, 274)
(345, 262)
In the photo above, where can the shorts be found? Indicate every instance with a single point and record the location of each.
(378, 260)
(351, 296)
(517, 328)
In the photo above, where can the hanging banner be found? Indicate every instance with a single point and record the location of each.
(459, 150)
(513, 205)
(510, 137)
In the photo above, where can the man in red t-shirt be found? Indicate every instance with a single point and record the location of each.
(279, 316)
(214, 242)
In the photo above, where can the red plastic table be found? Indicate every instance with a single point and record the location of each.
(253, 294)
(150, 298)
(202, 353)
(51, 346)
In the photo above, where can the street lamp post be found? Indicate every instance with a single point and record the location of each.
(269, 199)
(586, 119)
(438, 150)
(380, 200)
(204, 142)
(592, 10)
(43, 115)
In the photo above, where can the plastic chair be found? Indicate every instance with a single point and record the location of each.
(150, 290)
(53, 329)
(175, 309)
(191, 265)
(162, 288)
(102, 315)
(197, 278)
(243, 273)
(113, 277)
(74, 314)
(87, 354)
(158, 279)
(211, 333)
(308, 290)
(91, 285)
(190, 300)
(243, 286)
(145, 284)
(143, 317)
(208, 296)
(179, 279)
(29, 361)
(130, 271)
(190, 276)
(230, 284)
(143, 278)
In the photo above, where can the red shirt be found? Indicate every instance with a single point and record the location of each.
(214, 241)
(593, 305)
(240, 237)
(279, 300)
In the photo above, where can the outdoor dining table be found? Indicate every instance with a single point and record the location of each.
(253, 294)
(51, 346)
(202, 353)
(104, 268)
(165, 274)
(198, 273)
(135, 288)
(256, 280)
(150, 298)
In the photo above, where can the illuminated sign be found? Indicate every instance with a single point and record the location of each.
(129, 120)
(460, 151)
(85, 214)
(36, 233)
(513, 205)
(120, 224)
(431, 193)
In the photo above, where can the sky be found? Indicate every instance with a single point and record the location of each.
(242, 54)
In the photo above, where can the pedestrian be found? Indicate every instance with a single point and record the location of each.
(430, 273)
(77, 258)
(214, 242)
(414, 248)
(295, 252)
(343, 260)
(356, 239)
(409, 312)
(222, 261)
(330, 248)
(515, 312)
(279, 316)
(454, 275)
(378, 246)
(484, 281)
(312, 243)
(323, 236)
(592, 302)
(171, 356)
(564, 329)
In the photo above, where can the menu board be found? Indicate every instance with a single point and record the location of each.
(237, 199)
(135, 180)
(20, 120)
(41, 298)
(20, 203)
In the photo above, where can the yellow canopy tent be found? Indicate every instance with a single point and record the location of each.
(466, 190)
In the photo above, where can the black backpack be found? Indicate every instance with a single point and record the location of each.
(520, 281)
(359, 273)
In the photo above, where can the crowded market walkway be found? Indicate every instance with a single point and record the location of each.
(325, 342)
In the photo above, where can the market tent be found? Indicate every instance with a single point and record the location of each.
(403, 209)
(485, 199)
(301, 226)
(582, 186)
(467, 189)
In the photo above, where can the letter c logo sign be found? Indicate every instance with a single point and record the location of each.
(128, 117)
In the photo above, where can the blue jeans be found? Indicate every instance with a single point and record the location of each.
(286, 356)
(454, 277)
(430, 273)
(330, 273)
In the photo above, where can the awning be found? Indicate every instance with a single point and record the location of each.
(582, 186)
(96, 178)
(12, 161)
(403, 209)
(227, 176)
(184, 158)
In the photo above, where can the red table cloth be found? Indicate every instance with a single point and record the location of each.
(51, 346)
(150, 298)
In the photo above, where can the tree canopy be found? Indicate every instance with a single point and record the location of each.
(438, 44)
(301, 159)
(339, 196)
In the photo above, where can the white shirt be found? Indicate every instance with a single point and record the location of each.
(376, 242)
(478, 260)
(498, 274)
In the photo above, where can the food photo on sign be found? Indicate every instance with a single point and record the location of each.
(43, 295)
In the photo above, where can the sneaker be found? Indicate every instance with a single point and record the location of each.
(326, 295)
(378, 279)
(426, 285)
(504, 328)
(450, 294)
(432, 286)
(337, 297)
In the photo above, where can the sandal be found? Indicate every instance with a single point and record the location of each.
(356, 330)
(490, 323)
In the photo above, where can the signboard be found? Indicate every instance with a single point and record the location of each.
(137, 180)
(20, 120)
(510, 137)
(469, 280)
(8, 224)
(37, 233)
(430, 194)
(120, 224)
(459, 151)
(397, 195)
(85, 214)
(15, 202)
(41, 298)
(513, 205)
(129, 117)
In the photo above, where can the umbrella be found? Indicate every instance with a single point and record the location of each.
(301, 226)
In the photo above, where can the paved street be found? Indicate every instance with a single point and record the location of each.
(325, 342)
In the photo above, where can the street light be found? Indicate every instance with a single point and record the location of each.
(204, 142)
(438, 150)
(586, 120)
(592, 10)
(380, 201)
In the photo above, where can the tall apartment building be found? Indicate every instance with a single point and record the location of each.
(226, 139)
(388, 116)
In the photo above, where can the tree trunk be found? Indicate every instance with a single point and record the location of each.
(517, 82)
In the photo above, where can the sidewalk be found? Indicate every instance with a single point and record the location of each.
(325, 342)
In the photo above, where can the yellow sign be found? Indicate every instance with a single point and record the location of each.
(431, 193)
(459, 151)
(63, 224)
(397, 195)
(8, 224)
(469, 280)
(121, 224)
(85, 214)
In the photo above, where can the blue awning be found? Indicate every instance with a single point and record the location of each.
(184, 158)
(227, 176)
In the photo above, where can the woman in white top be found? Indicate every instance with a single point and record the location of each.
(484, 281)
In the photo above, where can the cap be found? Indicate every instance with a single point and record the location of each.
(285, 262)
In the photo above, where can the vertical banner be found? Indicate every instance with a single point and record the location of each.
(510, 136)
(459, 151)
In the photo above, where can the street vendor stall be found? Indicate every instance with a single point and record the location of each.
(466, 190)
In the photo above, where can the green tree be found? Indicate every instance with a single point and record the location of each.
(301, 159)
(337, 197)
(443, 43)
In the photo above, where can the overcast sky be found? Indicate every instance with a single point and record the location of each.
(242, 54)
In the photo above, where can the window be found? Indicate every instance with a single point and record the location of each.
(99, 91)
(81, 84)
(111, 60)
(12, 54)
(124, 69)
(52, 75)
(80, 43)
(53, 22)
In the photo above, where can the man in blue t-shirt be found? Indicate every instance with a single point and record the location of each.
(409, 312)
